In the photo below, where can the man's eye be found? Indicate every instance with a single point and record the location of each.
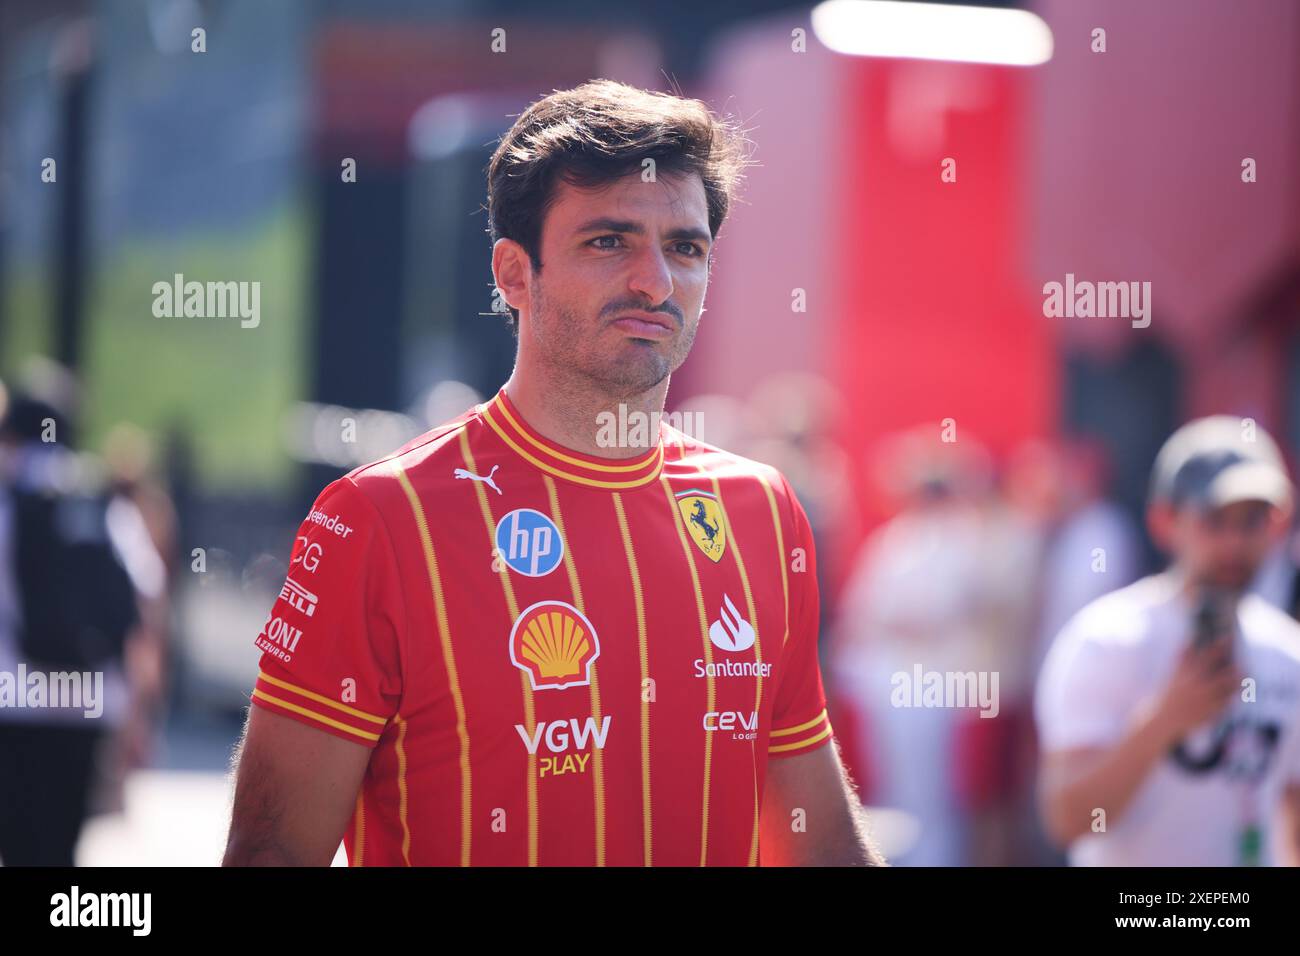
(690, 249)
(1255, 520)
(600, 239)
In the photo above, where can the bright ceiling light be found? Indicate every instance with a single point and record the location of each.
(930, 31)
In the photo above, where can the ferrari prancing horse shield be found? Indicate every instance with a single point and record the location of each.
(703, 517)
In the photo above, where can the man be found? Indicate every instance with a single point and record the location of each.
(74, 572)
(525, 638)
(1169, 711)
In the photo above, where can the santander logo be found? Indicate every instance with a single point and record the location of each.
(731, 632)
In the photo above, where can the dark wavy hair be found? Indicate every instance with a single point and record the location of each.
(596, 133)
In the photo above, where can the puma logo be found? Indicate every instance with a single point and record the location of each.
(486, 479)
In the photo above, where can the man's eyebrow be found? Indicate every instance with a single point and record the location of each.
(690, 232)
(607, 224)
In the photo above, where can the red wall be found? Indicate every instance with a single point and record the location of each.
(933, 317)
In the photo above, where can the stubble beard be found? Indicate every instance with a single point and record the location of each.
(572, 364)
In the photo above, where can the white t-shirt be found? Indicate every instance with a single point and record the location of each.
(1119, 652)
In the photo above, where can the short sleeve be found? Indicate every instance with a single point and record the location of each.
(799, 721)
(1085, 695)
(331, 646)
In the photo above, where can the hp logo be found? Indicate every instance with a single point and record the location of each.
(529, 542)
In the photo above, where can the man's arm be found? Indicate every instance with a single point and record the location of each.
(1289, 824)
(1074, 783)
(295, 790)
(830, 830)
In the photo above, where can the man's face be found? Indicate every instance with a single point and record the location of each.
(1224, 547)
(624, 272)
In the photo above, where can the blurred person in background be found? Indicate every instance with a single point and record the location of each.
(144, 522)
(1091, 546)
(915, 598)
(792, 417)
(992, 754)
(1169, 711)
(73, 563)
(1053, 544)
(1278, 579)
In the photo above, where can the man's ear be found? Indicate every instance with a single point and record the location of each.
(1160, 524)
(511, 271)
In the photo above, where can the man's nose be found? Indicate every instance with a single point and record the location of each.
(651, 276)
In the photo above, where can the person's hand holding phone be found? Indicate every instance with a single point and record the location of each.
(1203, 683)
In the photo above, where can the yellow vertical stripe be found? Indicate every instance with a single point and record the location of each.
(780, 555)
(780, 561)
(401, 788)
(753, 767)
(448, 659)
(708, 659)
(643, 652)
(597, 755)
(512, 607)
(733, 545)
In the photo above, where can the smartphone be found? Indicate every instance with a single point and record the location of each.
(1216, 618)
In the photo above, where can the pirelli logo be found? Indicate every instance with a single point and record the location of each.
(298, 597)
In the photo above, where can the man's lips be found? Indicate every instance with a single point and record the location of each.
(645, 325)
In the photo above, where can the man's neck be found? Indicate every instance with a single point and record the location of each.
(1193, 589)
(572, 415)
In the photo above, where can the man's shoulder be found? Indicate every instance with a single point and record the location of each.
(383, 482)
(690, 455)
(1121, 617)
(1268, 626)
(748, 486)
(1105, 642)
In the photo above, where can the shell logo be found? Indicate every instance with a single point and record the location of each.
(555, 644)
